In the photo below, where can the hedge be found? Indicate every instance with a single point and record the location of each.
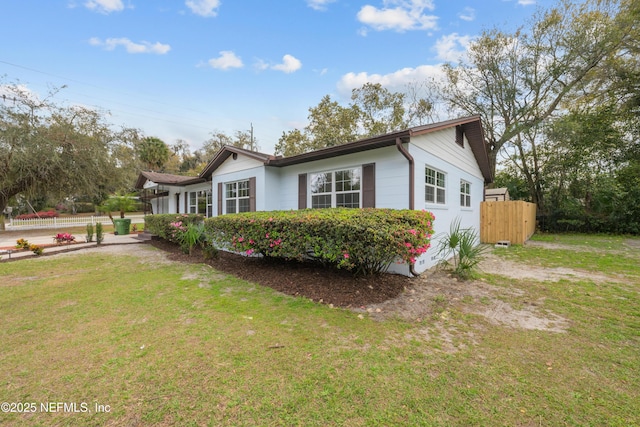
(364, 241)
(166, 226)
(42, 214)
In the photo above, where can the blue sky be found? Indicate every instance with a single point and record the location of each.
(182, 69)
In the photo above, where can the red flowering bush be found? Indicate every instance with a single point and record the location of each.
(42, 214)
(365, 241)
(63, 238)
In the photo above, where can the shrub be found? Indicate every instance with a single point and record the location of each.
(42, 214)
(163, 225)
(364, 241)
(36, 249)
(461, 245)
(89, 232)
(22, 244)
(63, 238)
(99, 233)
(188, 237)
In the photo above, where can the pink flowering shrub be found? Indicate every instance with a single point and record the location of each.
(171, 227)
(364, 241)
(63, 238)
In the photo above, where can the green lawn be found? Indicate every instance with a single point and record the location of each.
(174, 344)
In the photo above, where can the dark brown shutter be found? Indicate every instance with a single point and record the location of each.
(219, 198)
(302, 191)
(186, 201)
(252, 194)
(369, 185)
(459, 136)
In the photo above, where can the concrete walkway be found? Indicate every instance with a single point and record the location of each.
(8, 244)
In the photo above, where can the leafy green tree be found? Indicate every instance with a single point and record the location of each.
(379, 110)
(58, 151)
(516, 81)
(153, 152)
(293, 142)
(373, 110)
(331, 124)
(240, 139)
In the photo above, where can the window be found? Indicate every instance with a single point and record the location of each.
(209, 204)
(198, 201)
(336, 189)
(434, 191)
(193, 202)
(465, 194)
(237, 197)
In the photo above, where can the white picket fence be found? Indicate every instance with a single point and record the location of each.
(71, 221)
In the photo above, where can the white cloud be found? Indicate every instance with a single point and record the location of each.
(105, 6)
(205, 8)
(526, 2)
(396, 81)
(467, 14)
(319, 4)
(452, 48)
(131, 47)
(399, 15)
(18, 91)
(226, 60)
(289, 64)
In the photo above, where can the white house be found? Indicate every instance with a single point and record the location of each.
(441, 167)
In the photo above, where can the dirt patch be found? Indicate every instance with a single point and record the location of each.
(494, 264)
(436, 293)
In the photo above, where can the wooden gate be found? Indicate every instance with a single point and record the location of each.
(514, 221)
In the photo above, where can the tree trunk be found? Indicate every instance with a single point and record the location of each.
(3, 204)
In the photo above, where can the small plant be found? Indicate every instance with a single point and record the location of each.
(61, 238)
(89, 232)
(189, 236)
(36, 249)
(209, 249)
(99, 233)
(22, 244)
(462, 247)
(119, 203)
(134, 228)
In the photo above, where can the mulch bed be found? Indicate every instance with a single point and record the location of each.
(304, 279)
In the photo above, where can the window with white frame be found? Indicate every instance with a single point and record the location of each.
(465, 194)
(198, 202)
(434, 191)
(193, 202)
(209, 204)
(236, 196)
(339, 188)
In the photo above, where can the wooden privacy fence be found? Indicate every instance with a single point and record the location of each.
(514, 221)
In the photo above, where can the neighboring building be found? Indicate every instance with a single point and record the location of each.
(496, 194)
(441, 167)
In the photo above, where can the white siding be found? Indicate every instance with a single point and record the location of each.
(392, 177)
(257, 172)
(442, 153)
(443, 145)
(239, 164)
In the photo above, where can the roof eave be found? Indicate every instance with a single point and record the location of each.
(372, 143)
(224, 153)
